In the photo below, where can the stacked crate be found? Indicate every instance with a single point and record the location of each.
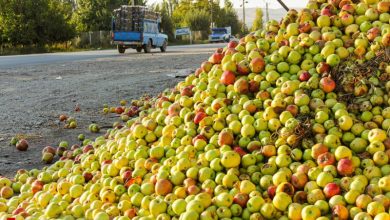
(130, 18)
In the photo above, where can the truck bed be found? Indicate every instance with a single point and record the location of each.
(127, 36)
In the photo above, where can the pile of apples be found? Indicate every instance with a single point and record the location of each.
(259, 131)
(134, 108)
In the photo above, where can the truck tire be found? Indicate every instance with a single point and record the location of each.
(148, 47)
(121, 49)
(139, 49)
(163, 48)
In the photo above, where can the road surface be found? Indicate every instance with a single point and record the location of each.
(36, 89)
(48, 58)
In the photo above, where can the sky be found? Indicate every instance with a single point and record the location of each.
(261, 3)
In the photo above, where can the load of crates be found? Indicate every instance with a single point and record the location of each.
(130, 18)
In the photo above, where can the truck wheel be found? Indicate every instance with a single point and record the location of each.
(163, 48)
(139, 49)
(121, 49)
(148, 47)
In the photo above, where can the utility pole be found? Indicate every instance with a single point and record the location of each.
(211, 13)
(266, 11)
(283, 5)
(243, 14)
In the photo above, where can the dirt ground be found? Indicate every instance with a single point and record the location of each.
(33, 96)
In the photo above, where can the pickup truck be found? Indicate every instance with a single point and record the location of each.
(222, 34)
(138, 28)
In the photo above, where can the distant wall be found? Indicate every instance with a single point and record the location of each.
(92, 39)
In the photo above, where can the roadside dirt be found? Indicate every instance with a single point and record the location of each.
(32, 97)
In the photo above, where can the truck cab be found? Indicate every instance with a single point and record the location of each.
(222, 34)
(137, 28)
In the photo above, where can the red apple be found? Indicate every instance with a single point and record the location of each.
(199, 117)
(198, 137)
(22, 145)
(228, 78)
(206, 66)
(126, 175)
(299, 180)
(105, 162)
(304, 27)
(243, 67)
(322, 68)
(271, 191)
(119, 110)
(257, 65)
(305, 76)
(49, 149)
(187, 91)
(327, 84)
(240, 151)
(331, 189)
(174, 109)
(293, 109)
(345, 167)
(241, 199)
(232, 44)
(189, 182)
(163, 187)
(326, 11)
(87, 148)
(193, 190)
(241, 86)
(216, 58)
(318, 149)
(348, 8)
(340, 212)
(63, 117)
(326, 159)
(36, 186)
(87, 176)
(225, 138)
(198, 72)
(373, 33)
(300, 197)
(303, 168)
(229, 51)
(383, 6)
(131, 213)
(253, 86)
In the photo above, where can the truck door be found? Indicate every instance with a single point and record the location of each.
(155, 32)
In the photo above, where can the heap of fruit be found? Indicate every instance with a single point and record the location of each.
(135, 107)
(261, 131)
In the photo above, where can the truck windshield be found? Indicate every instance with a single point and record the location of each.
(219, 31)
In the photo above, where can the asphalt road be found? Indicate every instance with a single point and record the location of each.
(50, 58)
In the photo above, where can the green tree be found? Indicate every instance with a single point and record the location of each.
(167, 25)
(95, 15)
(258, 22)
(34, 22)
(227, 16)
(198, 20)
(181, 10)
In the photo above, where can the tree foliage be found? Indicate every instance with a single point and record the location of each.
(198, 20)
(35, 22)
(258, 22)
(95, 15)
(227, 16)
(40, 22)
